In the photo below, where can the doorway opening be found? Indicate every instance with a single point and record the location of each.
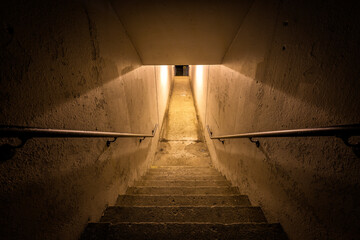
(181, 70)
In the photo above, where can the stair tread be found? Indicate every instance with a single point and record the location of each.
(184, 177)
(184, 174)
(180, 183)
(190, 200)
(180, 170)
(175, 167)
(250, 231)
(216, 214)
(182, 190)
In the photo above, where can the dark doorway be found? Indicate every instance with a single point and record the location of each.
(181, 70)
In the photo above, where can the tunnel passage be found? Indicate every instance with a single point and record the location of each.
(265, 65)
(182, 196)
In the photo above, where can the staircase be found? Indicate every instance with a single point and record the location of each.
(182, 196)
(182, 202)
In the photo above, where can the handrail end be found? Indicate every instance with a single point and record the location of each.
(209, 131)
(154, 130)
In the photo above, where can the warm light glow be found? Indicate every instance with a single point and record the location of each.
(199, 77)
(199, 71)
(164, 75)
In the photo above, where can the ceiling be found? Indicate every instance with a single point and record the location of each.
(181, 32)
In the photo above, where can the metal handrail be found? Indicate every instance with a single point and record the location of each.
(7, 151)
(352, 130)
(342, 131)
(64, 133)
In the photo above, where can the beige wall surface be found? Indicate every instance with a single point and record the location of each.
(291, 65)
(181, 32)
(70, 65)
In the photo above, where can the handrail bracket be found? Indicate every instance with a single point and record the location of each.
(354, 147)
(7, 151)
(257, 143)
(109, 142)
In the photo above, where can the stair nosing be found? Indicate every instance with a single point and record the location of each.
(212, 207)
(190, 223)
(190, 195)
(178, 195)
(182, 187)
(189, 181)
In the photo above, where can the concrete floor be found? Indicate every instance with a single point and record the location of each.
(182, 143)
(181, 122)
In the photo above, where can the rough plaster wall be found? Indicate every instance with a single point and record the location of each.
(70, 65)
(291, 65)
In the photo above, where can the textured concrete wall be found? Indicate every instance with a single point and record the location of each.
(70, 65)
(292, 65)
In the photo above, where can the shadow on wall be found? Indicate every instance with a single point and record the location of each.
(71, 65)
(61, 198)
(55, 53)
(291, 65)
(304, 51)
(70, 181)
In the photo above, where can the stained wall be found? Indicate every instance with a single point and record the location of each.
(71, 65)
(291, 65)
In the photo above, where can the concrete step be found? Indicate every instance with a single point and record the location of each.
(183, 231)
(184, 177)
(176, 175)
(182, 183)
(183, 214)
(182, 190)
(184, 171)
(178, 167)
(192, 200)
